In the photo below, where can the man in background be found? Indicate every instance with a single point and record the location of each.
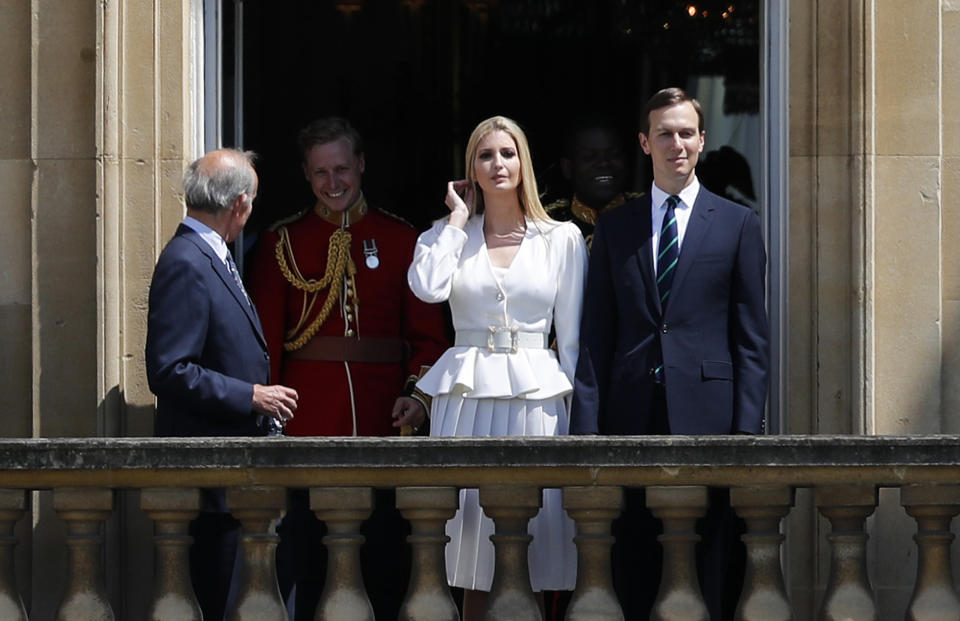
(594, 162)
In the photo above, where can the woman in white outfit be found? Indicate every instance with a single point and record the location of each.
(509, 273)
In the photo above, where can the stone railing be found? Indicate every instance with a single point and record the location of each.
(762, 473)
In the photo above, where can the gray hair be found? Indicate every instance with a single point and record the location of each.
(211, 188)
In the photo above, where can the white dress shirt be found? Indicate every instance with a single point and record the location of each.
(210, 236)
(658, 209)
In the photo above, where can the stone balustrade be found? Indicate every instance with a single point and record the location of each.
(763, 473)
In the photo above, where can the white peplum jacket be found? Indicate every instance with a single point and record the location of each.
(543, 286)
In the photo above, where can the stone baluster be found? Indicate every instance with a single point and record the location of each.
(678, 508)
(511, 508)
(764, 596)
(428, 509)
(343, 509)
(258, 509)
(848, 596)
(933, 507)
(84, 510)
(171, 510)
(12, 506)
(593, 509)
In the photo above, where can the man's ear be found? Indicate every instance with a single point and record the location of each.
(239, 206)
(306, 173)
(644, 144)
(362, 164)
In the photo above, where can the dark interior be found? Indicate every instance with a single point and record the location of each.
(415, 76)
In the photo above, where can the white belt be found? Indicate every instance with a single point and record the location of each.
(501, 340)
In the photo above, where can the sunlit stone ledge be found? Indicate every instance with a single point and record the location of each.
(580, 460)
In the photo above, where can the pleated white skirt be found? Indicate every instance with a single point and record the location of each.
(552, 556)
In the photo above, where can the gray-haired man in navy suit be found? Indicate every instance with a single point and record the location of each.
(673, 338)
(206, 356)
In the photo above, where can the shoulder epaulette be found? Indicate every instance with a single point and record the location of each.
(394, 216)
(560, 203)
(632, 195)
(289, 219)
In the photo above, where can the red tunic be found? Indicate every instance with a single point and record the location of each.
(330, 392)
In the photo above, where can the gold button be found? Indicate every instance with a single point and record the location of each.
(350, 332)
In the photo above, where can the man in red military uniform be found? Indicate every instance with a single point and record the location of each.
(330, 285)
(343, 329)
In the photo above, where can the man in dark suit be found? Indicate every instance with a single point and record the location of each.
(673, 338)
(206, 356)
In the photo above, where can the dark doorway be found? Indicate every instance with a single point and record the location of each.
(415, 76)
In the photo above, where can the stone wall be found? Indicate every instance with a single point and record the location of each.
(93, 128)
(874, 280)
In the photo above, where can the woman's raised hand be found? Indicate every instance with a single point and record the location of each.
(459, 200)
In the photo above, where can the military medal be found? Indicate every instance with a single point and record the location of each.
(372, 258)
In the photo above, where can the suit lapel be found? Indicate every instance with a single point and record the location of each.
(644, 228)
(226, 278)
(245, 304)
(697, 227)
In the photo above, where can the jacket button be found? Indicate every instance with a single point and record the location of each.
(663, 328)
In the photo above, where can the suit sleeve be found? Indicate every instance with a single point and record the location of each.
(178, 320)
(749, 332)
(268, 290)
(598, 331)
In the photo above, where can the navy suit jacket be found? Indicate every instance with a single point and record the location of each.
(712, 335)
(205, 348)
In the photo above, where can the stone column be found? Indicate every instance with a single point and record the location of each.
(950, 216)
(428, 509)
(16, 179)
(903, 211)
(830, 350)
(848, 596)
(171, 510)
(66, 292)
(258, 509)
(593, 509)
(678, 507)
(764, 596)
(511, 508)
(137, 98)
(12, 507)
(343, 509)
(933, 507)
(84, 510)
(147, 129)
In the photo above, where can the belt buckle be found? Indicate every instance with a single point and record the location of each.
(492, 347)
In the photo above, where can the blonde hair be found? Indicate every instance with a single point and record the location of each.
(527, 190)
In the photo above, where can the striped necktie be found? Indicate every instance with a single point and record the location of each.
(668, 252)
(236, 276)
